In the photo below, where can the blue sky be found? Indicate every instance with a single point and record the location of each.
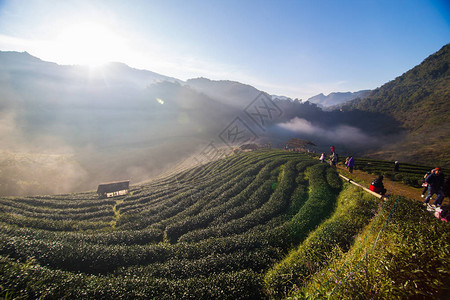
(291, 48)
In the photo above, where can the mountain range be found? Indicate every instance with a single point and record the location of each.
(335, 99)
(68, 128)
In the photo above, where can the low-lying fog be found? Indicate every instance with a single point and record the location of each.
(61, 132)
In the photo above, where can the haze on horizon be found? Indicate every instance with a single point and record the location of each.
(290, 48)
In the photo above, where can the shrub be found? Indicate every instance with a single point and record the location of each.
(403, 254)
(353, 212)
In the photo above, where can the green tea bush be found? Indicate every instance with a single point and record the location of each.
(408, 174)
(259, 189)
(272, 205)
(65, 285)
(404, 254)
(320, 203)
(353, 212)
(208, 232)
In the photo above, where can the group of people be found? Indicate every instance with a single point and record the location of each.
(334, 158)
(434, 181)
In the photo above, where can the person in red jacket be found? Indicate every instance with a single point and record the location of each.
(377, 186)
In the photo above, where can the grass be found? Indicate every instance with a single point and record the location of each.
(353, 212)
(116, 213)
(403, 253)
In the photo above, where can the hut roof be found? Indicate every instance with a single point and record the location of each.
(111, 187)
(249, 147)
(299, 143)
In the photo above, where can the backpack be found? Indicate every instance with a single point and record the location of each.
(443, 213)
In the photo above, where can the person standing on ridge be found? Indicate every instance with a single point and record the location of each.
(333, 159)
(350, 164)
(322, 157)
(396, 168)
(424, 184)
(435, 186)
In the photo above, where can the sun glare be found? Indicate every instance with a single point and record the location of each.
(90, 44)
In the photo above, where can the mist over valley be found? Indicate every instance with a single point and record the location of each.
(65, 129)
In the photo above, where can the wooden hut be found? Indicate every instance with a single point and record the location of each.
(299, 145)
(113, 189)
(249, 147)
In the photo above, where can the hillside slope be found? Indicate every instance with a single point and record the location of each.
(419, 100)
(210, 232)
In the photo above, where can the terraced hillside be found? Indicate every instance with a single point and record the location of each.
(219, 231)
(206, 232)
(408, 174)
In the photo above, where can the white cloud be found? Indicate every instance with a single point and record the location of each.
(339, 134)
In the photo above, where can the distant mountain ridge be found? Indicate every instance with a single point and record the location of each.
(122, 73)
(230, 92)
(118, 122)
(100, 125)
(337, 98)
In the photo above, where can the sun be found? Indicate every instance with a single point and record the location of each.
(90, 43)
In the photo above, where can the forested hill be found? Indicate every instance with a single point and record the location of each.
(418, 99)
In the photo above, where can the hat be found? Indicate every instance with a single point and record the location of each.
(437, 169)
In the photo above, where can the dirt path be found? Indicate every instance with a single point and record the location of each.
(393, 187)
(116, 213)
